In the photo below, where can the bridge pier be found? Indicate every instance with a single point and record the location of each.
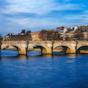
(22, 51)
(47, 51)
(71, 51)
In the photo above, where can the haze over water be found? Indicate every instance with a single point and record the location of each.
(67, 71)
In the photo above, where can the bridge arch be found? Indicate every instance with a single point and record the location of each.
(82, 49)
(21, 50)
(11, 49)
(43, 49)
(64, 49)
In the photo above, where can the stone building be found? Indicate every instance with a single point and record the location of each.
(35, 36)
(18, 37)
(85, 35)
(49, 35)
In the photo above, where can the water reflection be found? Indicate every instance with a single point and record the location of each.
(14, 54)
(64, 71)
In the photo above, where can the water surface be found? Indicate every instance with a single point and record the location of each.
(44, 71)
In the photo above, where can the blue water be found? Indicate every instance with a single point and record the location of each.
(43, 71)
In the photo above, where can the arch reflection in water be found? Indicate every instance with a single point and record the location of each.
(59, 72)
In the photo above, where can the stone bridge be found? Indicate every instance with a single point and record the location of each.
(47, 47)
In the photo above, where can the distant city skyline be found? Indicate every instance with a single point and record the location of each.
(35, 15)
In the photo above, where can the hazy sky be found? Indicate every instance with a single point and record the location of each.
(38, 14)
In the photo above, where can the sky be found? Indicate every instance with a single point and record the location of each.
(35, 15)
